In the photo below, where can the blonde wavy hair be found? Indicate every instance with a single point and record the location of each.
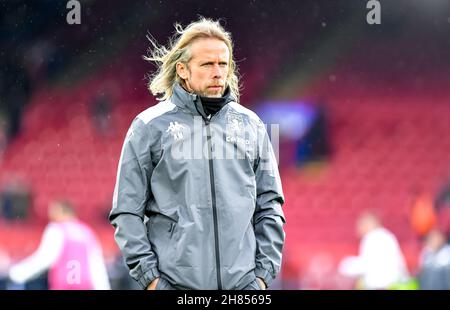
(163, 81)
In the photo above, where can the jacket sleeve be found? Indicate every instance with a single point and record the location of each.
(268, 218)
(131, 194)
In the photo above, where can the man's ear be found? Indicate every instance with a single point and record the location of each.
(182, 70)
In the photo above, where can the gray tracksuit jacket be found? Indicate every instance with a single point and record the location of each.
(198, 199)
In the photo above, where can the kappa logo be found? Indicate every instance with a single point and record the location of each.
(176, 130)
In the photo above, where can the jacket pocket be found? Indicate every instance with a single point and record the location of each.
(168, 240)
(164, 285)
(253, 286)
(160, 233)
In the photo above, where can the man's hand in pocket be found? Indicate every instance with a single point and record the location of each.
(152, 285)
(261, 283)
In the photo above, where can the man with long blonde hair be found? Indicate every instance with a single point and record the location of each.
(185, 216)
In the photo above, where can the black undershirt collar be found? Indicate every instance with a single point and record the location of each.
(212, 105)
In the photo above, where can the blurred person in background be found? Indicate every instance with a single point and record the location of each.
(423, 216)
(102, 106)
(5, 262)
(69, 250)
(177, 225)
(119, 275)
(380, 263)
(101, 112)
(15, 90)
(314, 146)
(435, 262)
(15, 198)
(3, 133)
(442, 208)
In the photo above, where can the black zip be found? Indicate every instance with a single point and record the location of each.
(214, 208)
(171, 229)
(207, 121)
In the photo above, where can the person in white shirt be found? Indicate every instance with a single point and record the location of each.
(69, 250)
(380, 262)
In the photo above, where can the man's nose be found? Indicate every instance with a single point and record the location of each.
(217, 71)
